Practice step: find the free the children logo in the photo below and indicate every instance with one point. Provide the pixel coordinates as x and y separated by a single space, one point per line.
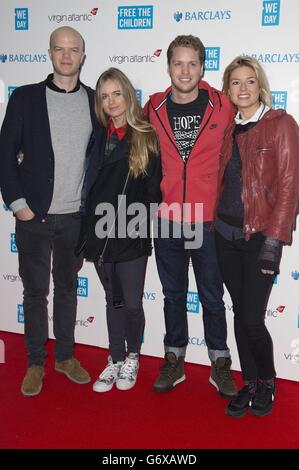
135 17
271 13
82 286
20 313
212 59
279 99
21 19
138 92
13 245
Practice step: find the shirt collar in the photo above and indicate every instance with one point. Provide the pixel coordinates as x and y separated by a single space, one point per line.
52 86
263 109
120 131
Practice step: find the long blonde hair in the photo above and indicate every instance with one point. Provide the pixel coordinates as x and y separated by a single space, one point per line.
241 61
141 135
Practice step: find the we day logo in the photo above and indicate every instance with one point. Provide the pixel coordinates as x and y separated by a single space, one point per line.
271 13
21 19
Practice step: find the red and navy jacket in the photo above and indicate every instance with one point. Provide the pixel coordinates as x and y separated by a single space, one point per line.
194 181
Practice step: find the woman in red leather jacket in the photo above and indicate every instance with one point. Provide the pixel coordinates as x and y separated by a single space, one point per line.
256 210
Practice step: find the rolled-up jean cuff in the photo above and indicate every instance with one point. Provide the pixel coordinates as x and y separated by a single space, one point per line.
214 354
179 352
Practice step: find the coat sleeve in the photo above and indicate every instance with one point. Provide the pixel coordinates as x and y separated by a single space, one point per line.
286 143
10 145
152 191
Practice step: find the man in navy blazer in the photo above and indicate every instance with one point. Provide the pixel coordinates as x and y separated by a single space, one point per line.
44 139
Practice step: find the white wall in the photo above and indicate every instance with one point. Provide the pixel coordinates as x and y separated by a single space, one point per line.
233 26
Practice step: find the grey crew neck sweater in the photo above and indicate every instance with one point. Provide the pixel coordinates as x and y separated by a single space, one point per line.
71 127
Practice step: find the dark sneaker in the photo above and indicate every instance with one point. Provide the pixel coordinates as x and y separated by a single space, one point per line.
262 402
33 381
73 370
239 405
222 379
172 373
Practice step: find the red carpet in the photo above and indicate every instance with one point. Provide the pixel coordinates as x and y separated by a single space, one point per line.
66 415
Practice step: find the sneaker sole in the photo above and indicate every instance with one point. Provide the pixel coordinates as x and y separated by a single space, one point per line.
102 391
72 379
119 386
33 394
266 412
236 414
163 390
228 397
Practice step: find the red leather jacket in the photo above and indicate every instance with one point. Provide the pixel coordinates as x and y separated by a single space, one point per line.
270 174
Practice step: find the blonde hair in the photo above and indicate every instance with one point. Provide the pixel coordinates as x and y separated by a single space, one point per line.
247 61
190 41
141 135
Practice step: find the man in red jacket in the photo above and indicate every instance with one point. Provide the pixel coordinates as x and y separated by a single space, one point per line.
190 118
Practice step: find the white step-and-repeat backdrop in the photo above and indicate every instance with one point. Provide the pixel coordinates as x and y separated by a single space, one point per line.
134 36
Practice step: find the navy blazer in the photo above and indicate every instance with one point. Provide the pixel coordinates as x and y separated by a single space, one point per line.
26 129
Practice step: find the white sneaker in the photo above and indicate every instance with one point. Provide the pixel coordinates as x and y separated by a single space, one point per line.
128 373
108 377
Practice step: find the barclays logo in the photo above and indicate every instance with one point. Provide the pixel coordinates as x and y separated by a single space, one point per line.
212 58
271 13
202 15
279 99
193 304
196 341
21 19
82 286
178 16
276 57
295 275
23 58
149 295
135 17
20 313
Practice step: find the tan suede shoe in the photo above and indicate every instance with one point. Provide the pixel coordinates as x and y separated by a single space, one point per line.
72 369
33 381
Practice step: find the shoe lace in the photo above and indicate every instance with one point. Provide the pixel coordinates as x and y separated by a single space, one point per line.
224 373
128 369
109 372
168 369
264 390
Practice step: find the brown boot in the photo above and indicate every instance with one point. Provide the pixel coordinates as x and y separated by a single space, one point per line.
72 369
33 381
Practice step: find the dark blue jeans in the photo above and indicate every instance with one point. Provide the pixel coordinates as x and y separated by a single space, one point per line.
173 263
40 245
125 324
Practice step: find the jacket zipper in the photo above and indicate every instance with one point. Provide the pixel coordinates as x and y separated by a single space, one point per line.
101 256
185 162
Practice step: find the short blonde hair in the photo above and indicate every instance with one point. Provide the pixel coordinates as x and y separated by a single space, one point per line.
247 61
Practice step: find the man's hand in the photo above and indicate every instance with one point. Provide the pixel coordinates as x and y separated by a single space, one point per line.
25 214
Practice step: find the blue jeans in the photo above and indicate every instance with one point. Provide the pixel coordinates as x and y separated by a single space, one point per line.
173 263
43 246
